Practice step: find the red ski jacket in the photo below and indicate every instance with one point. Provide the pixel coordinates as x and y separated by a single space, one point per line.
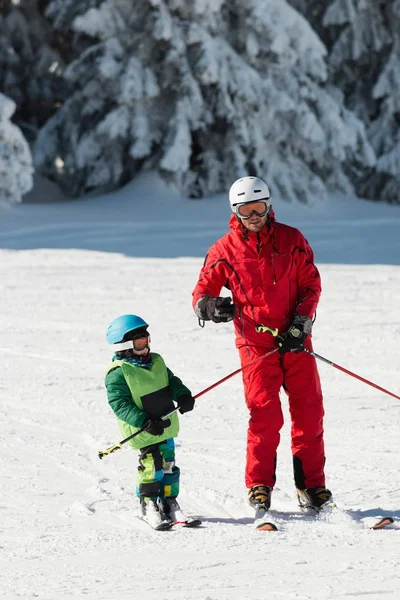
271 276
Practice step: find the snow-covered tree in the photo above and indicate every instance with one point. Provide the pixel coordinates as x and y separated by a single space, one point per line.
15 157
30 64
205 91
384 131
363 39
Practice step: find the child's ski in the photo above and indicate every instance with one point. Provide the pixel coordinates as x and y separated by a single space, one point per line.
163 526
190 522
167 525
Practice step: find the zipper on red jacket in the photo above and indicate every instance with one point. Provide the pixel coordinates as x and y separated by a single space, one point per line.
274 253
273 267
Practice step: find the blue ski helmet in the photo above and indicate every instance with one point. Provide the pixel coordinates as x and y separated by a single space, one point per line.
121 325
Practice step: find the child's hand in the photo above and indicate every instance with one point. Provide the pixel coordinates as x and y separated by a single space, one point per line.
156 426
185 403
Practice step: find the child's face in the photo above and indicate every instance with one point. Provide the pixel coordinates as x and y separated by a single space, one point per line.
141 345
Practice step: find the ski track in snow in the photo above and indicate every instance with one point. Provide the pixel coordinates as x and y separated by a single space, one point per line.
69 523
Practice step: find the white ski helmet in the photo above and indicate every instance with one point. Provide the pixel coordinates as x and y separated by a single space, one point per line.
248 189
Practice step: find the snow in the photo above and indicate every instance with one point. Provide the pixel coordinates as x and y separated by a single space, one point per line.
69 522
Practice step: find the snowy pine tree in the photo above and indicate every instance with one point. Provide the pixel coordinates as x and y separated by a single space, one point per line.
206 91
15 157
363 39
384 131
30 65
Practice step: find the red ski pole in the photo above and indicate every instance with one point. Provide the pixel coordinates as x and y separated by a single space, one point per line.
211 387
264 329
332 364
102 453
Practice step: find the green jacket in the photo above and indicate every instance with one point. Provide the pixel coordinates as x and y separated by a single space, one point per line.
135 393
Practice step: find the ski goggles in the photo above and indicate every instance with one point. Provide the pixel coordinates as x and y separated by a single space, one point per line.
138 344
259 207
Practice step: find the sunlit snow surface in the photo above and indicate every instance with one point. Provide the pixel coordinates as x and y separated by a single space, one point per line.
69 525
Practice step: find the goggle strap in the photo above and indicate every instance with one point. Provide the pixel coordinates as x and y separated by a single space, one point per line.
266 199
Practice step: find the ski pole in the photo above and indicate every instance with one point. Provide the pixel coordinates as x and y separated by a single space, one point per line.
118 446
102 453
332 364
274 332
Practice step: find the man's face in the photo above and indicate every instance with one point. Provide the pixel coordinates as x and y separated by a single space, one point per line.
255 223
253 215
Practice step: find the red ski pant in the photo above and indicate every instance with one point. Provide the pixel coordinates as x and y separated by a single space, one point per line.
298 375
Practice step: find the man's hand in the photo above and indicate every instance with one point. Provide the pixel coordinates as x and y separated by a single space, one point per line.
293 339
217 309
156 426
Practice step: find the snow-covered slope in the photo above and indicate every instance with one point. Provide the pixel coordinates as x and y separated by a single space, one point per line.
69 522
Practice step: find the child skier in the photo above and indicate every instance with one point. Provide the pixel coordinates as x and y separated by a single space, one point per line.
140 391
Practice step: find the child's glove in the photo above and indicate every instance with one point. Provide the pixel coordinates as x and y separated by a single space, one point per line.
185 403
156 426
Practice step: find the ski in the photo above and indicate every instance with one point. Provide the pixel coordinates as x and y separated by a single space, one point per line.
190 522
167 525
261 522
382 523
325 513
330 507
265 526
163 526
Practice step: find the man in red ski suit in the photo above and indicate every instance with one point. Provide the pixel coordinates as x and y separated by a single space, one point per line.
269 270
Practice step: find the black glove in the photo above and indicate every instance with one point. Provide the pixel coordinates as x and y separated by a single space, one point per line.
293 339
217 309
155 426
185 403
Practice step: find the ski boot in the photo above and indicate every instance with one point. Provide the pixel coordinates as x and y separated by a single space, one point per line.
152 515
315 498
171 510
260 499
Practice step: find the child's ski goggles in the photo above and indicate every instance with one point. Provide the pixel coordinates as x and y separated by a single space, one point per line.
138 344
246 209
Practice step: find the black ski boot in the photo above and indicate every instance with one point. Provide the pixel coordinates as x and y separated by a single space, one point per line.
314 498
260 497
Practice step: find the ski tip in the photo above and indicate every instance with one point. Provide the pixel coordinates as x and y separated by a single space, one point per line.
188 523
266 527
194 523
383 523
